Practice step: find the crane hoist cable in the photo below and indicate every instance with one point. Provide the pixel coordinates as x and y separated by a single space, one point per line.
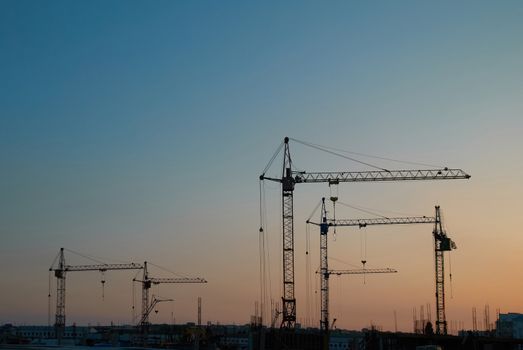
133 292
103 284
268 246
334 215
266 235
49 300
264 253
307 274
450 276
261 255
334 195
317 303
444 227
133 301
363 250
261 195
261 252
340 283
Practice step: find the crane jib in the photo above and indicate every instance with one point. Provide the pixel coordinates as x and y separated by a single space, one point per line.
103 267
393 175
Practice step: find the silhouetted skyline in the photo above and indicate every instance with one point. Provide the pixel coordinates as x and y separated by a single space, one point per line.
137 131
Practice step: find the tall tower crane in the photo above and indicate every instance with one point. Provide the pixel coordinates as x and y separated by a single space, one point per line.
147 282
60 272
290 178
442 243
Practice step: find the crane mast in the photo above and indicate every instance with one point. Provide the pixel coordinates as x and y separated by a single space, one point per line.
289 299
324 270
441 244
60 297
60 273
288 181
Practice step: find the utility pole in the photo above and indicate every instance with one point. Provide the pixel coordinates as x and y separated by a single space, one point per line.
199 311
290 178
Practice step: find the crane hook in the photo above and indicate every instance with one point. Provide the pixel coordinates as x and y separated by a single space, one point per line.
103 285
363 262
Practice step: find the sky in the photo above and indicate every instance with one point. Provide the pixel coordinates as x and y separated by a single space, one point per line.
133 131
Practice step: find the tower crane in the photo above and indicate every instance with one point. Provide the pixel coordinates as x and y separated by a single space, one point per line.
442 243
291 177
325 276
150 308
60 272
147 282
325 273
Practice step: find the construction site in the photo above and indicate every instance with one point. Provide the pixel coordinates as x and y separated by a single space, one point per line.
274 325
261 175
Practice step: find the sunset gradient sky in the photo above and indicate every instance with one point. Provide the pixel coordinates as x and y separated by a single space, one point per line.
137 131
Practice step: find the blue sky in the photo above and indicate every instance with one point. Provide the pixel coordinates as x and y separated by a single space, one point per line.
137 130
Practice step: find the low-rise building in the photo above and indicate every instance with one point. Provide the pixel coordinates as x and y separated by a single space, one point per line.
510 325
